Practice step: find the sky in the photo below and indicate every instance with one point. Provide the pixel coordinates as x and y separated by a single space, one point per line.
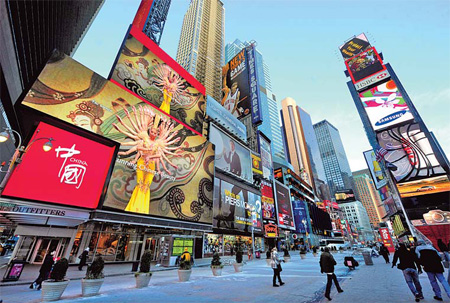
299 40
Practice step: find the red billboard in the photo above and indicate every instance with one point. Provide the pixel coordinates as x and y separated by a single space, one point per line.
364 65
268 203
73 172
387 240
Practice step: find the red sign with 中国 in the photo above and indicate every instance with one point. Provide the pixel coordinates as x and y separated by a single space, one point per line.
387 240
73 172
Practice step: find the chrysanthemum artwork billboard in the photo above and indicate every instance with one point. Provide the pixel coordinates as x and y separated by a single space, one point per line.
144 69
162 169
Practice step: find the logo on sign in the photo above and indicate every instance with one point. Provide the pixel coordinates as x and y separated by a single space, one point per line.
390 118
74 172
371 80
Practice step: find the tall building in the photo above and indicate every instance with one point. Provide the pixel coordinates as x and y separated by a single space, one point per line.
369 196
356 214
200 50
295 139
334 159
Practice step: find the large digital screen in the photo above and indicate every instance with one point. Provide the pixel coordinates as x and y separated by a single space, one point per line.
385 106
231 156
379 179
411 153
148 72
284 206
364 65
268 202
236 208
266 156
436 204
345 195
300 216
354 46
424 186
72 173
163 168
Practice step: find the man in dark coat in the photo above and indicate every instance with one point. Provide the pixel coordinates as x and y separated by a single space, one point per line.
327 264
385 253
44 271
409 265
431 261
83 258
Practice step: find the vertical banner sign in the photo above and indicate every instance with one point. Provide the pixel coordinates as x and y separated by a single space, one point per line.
378 177
387 240
254 87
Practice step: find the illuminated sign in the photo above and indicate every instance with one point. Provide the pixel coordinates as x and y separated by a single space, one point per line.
256 164
372 80
265 151
254 87
379 179
270 230
364 65
424 187
386 238
284 206
354 46
268 201
345 195
399 225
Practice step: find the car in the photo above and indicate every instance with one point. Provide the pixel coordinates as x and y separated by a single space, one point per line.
9 244
426 188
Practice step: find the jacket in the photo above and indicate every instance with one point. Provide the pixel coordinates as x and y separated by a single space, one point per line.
275 260
408 259
431 261
327 262
47 264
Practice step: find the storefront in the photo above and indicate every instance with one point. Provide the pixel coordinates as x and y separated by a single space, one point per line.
226 245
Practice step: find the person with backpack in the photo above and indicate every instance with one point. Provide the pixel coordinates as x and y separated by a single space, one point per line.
327 264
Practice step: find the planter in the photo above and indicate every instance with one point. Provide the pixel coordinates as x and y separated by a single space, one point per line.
216 270
287 259
142 279
52 291
303 256
315 254
184 275
238 267
268 262
91 287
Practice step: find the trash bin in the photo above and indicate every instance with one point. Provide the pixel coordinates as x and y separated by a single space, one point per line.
367 258
135 266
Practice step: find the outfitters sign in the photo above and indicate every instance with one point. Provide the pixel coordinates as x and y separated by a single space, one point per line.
72 173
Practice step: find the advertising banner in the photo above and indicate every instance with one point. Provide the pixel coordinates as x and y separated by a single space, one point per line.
284 206
345 195
265 151
256 164
424 186
254 86
385 106
379 180
399 225
387 240
437 216
144 69
411 153
72 173
436 204
179 245
300 216
354 46
163 169
218 113
268 203
364 65
378 77
270 230
231 156
236 208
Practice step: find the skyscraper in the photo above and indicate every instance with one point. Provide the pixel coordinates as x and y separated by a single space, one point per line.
356 214
369 196
334 159
200 50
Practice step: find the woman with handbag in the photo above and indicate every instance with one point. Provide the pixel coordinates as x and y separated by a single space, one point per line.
276 266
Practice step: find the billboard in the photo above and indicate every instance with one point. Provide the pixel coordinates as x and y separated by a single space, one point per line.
399 224
345 195
219 114
284 206
268 203
254 86
417 206
354 46
265 151
385 105
364 65
148 72
378 77
270 230
411 153
256 164
424 186
437 216
231 157
387 240
300 216
379 179
236 208
163 169
72 173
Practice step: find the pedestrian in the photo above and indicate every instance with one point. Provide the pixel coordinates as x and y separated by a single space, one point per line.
231 250
44 271
83 258
409 265
276 266
445 250
327 264
385 253
250 254
431 261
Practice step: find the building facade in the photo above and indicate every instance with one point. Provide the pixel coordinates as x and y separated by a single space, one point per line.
356 214
200 50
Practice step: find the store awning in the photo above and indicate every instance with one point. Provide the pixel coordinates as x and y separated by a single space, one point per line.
13 212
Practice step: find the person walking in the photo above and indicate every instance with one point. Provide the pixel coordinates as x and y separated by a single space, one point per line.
409 265
385 253
327 264
431 261
44 271
276 266
445 250
83 258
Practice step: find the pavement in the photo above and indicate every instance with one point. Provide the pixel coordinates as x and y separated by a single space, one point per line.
304 283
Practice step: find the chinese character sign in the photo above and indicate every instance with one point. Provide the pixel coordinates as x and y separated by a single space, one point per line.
387 240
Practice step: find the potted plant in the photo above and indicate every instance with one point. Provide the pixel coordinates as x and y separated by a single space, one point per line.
287 256
268 257
185 270
144 275
53 288
238 265
216 265
90 285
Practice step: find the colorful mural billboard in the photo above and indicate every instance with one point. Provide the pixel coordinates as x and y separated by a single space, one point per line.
268 202
364 65
284 206
379 179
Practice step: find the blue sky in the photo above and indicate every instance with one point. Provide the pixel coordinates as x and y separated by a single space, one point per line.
299 40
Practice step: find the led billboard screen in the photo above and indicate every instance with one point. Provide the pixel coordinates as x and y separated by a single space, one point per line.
163 168
411 153
300 216
354 46
417 206
345 195
236 208
268 203
284 206
72 173
379 179
256 164
231 156
385 106
144 69
266 156
364 65
424 186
